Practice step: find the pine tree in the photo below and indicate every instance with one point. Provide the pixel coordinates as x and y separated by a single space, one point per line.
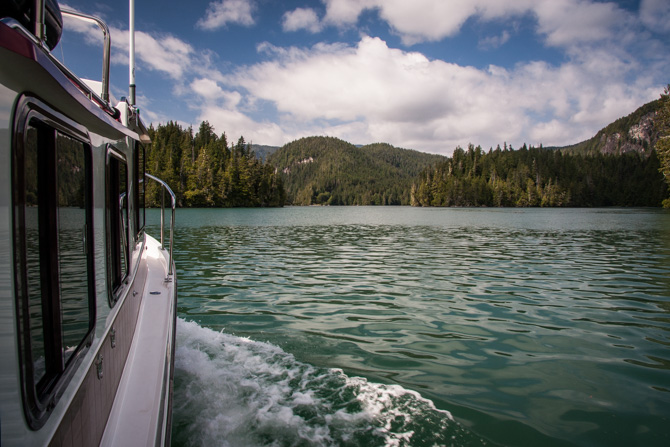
204 172
663 144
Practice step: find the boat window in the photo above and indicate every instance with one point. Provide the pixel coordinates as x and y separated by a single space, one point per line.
139 199
53 243
117 221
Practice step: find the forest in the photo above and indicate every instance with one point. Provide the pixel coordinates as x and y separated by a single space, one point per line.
627 163
203 170
541 177
330 171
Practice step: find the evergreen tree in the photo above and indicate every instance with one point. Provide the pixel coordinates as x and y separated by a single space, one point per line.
663 144
204 172
540 177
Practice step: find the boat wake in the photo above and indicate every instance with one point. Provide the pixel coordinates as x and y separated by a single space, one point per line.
232 391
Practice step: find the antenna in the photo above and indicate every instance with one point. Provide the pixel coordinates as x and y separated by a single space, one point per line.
131 61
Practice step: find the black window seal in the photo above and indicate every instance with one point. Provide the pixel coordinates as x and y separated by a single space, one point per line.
116 285
38 408
140 205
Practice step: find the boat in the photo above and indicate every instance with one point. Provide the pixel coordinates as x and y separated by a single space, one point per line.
87 297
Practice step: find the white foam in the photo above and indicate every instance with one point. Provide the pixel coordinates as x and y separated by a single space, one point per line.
233 391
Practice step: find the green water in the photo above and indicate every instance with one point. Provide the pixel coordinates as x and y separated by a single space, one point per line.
531 327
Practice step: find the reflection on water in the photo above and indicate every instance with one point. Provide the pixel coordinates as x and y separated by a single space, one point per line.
531 326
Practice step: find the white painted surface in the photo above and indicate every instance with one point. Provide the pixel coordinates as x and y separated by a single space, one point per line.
135 417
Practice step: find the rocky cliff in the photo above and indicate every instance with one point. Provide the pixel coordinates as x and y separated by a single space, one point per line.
632 133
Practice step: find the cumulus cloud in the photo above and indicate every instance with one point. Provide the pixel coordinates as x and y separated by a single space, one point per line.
577 21
164 53
160 52
228 111
655 14
211 93
301 18
368 91
371 92
493 42
220 13
563 23
236 123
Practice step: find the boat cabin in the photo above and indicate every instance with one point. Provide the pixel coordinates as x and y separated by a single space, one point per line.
87 297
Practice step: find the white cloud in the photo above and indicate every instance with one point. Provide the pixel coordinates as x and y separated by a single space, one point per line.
655 14
210 92
165 52
562 22
228 112
220 13
301 18
569 22
346 12
207 88
235 123
371 92
493 42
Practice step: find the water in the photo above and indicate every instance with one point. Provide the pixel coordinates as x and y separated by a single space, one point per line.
401 326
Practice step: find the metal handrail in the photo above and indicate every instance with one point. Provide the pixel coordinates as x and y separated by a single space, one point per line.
174 205
106 49
81 85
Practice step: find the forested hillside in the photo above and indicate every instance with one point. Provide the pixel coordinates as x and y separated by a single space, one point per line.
329 171
662 126
633 133
617 167
541 177
204 171
263 151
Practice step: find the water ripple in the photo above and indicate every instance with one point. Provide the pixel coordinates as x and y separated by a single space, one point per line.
523 323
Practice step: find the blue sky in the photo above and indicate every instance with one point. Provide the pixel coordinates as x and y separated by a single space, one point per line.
421 74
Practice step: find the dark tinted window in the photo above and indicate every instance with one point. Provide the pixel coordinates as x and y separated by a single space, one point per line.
117 220
53 249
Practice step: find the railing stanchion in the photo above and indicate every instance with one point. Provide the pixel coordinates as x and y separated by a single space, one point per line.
162 217
171 236
165 187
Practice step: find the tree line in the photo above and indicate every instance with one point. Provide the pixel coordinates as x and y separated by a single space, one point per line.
533 176
203 170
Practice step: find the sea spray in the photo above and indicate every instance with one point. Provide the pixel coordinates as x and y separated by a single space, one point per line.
232 391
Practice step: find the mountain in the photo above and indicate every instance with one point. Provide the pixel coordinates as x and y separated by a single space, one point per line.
632 133
617 167
262 151
330 171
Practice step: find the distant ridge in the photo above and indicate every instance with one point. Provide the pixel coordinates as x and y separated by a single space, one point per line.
263 151
617 167
330 171
632 133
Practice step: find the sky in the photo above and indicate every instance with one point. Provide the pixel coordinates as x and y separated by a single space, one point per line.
428 75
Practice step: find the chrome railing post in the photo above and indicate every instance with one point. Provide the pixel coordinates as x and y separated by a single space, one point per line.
39 21
106 48
171 235
164 188
162 217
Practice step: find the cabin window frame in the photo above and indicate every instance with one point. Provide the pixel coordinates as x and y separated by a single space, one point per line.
41 321
117 221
